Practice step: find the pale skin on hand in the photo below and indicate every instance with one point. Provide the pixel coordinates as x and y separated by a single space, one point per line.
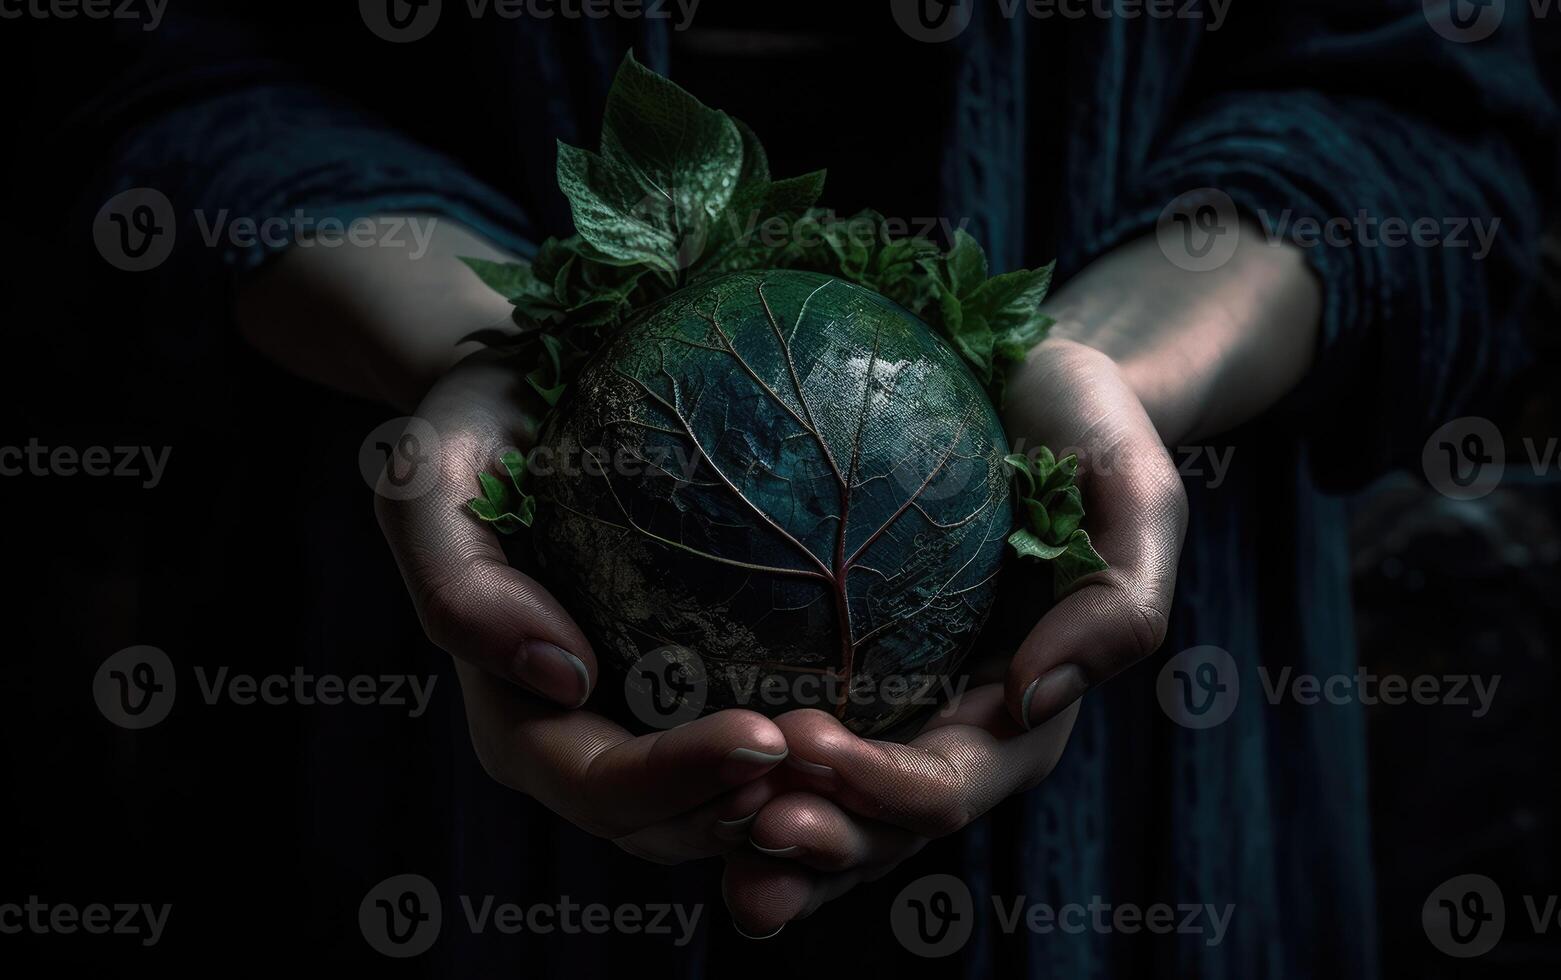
383 324
1143 355
1126 370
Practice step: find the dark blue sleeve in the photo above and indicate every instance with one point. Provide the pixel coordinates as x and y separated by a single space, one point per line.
203 113
1363 111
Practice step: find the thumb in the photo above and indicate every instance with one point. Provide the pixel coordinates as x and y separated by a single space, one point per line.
471 603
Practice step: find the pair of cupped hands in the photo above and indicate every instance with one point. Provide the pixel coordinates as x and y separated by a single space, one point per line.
800 809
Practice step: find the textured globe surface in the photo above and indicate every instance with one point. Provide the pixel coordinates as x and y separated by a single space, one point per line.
775 490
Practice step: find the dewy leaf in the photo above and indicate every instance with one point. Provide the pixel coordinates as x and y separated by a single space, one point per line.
614 213
685 159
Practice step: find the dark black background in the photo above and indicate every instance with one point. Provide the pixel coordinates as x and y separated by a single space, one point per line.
255 821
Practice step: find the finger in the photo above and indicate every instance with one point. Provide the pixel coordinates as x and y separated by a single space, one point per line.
1138 516
980 707
470 601
713 829
598 776
809 829
936 784
764 894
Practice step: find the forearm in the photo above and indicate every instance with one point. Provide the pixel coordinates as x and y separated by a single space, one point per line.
381 321
1203 351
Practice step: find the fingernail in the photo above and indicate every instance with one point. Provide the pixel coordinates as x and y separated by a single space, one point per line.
734 829
552 672
778 852
739 930
742 765
1053 691
812 769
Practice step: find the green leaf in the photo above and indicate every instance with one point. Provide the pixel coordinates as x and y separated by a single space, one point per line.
793 195
548 377
1011 298
515 465
1015 342
679 192
1029 545
507 509
483 509
509 279
668 162
1077 560
1050 527
975 341
673 143
966 263
494 490
1040 519
614 213
1065 511
1063 474
754 176
1022 468
1043 466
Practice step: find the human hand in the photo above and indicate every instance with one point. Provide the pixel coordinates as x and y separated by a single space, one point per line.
853 809
667 797
1144 354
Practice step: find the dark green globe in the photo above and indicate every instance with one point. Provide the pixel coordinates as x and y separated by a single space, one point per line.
775 490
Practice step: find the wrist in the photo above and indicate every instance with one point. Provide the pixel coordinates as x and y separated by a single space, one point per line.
1202 351
377 321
